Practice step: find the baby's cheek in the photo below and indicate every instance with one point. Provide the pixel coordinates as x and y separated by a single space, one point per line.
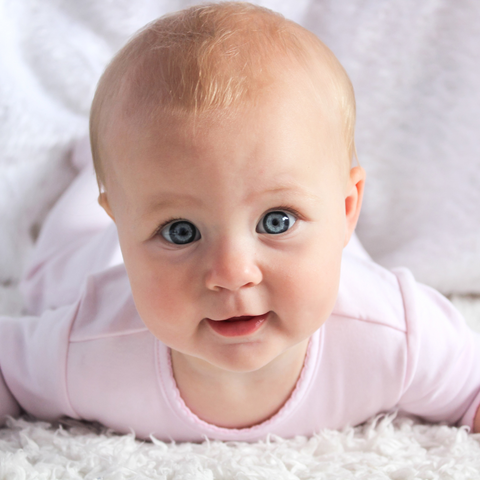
308 291
163 298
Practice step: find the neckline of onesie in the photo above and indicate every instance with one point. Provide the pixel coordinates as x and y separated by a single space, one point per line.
178 405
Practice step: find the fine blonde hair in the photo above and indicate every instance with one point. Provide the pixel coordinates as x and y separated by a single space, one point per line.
208 58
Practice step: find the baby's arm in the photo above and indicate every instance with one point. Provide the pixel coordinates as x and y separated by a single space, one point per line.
8 404
33 356
42 358
442 380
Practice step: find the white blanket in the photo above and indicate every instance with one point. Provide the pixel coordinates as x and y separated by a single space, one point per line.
416 70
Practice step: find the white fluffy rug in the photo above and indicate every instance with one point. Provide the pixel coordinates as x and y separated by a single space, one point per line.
384 448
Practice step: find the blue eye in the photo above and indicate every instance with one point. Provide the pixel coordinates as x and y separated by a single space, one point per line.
276 222
180 232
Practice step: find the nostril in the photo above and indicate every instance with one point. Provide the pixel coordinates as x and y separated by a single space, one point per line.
232 267
219 282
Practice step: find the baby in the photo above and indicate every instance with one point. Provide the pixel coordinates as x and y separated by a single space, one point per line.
222 138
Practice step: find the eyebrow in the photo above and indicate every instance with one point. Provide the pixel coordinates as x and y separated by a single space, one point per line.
182 199
292 189
171 199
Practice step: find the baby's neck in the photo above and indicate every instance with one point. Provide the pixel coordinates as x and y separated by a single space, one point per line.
239 400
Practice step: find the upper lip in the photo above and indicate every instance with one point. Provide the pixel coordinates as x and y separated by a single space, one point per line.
237 316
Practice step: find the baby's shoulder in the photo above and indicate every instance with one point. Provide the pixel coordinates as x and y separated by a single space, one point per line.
106 308
370 293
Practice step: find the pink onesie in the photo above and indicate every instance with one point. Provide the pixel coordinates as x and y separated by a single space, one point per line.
84 352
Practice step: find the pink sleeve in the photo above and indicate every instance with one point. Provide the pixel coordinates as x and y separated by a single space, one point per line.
442 381
8 404
33 354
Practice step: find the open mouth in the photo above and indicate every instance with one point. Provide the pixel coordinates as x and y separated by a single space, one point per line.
238 326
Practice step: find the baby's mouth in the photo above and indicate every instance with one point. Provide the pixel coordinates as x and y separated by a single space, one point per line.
235 319
238 326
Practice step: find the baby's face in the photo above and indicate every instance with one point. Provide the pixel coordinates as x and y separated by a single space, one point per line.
234 217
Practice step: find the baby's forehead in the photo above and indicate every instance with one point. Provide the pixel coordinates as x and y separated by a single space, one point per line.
181 141
293 87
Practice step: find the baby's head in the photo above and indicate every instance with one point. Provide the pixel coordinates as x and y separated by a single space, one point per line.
222 139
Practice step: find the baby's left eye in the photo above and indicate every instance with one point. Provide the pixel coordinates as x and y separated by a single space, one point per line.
275 222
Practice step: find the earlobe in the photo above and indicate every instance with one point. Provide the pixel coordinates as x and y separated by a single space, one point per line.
353 200
103 202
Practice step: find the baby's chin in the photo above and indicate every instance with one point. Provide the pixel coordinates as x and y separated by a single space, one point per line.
256 355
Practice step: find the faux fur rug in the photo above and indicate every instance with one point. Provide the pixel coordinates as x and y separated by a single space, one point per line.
384 448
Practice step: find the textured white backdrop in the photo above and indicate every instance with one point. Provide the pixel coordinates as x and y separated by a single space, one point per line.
416 70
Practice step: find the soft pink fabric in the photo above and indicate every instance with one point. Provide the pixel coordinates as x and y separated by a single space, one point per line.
390 343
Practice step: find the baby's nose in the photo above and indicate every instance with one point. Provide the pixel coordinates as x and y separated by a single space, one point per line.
232 266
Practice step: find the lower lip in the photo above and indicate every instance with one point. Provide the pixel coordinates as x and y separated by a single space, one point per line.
238 326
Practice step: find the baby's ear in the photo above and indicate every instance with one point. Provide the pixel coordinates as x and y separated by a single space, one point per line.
353 199
103 201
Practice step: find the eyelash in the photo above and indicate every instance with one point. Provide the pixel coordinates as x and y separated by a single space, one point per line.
288 209
160 228
285 208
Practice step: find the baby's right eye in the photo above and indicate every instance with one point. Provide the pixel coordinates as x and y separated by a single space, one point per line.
180 232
